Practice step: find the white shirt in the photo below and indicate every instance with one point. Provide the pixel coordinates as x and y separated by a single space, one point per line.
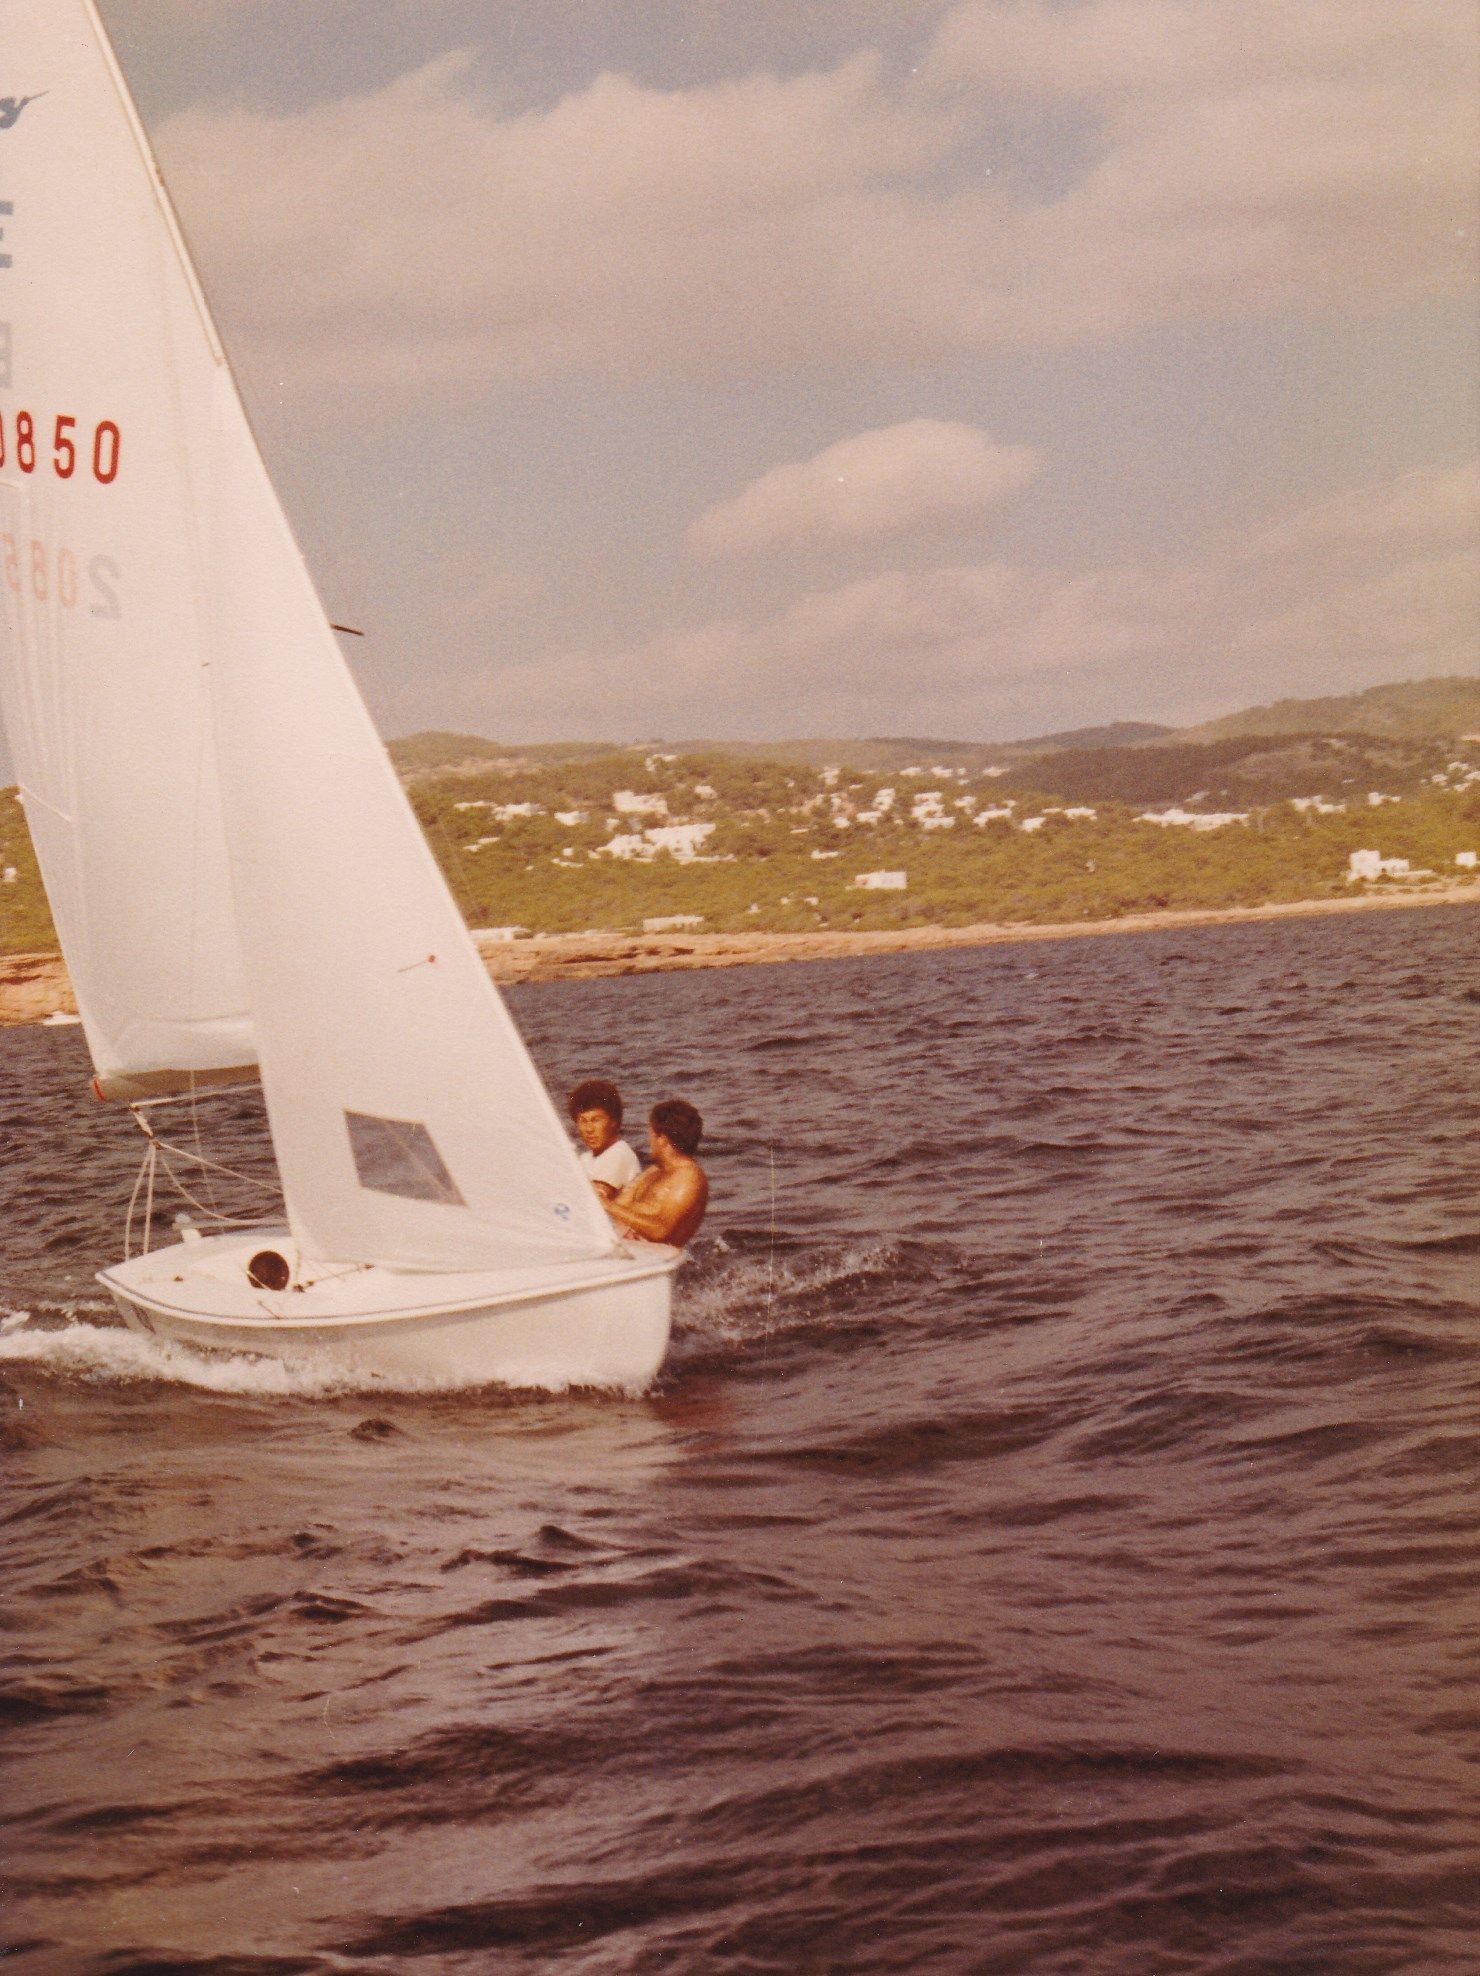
618 1166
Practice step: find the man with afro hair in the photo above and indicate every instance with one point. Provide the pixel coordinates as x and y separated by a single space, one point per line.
595 1107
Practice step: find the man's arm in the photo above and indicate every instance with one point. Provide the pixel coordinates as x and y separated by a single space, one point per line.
661 1207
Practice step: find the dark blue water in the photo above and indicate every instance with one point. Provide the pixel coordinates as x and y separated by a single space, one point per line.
1055 1550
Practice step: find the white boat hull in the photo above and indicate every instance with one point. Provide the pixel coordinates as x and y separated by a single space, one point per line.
603 1323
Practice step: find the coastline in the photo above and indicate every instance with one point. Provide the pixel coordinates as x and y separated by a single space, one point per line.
35 986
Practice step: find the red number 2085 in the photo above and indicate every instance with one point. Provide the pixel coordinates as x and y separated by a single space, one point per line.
26 446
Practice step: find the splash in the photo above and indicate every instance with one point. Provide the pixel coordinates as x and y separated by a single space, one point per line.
733 1301
111 1352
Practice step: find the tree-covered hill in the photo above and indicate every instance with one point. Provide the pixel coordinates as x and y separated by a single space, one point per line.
560 839
436 753
1236 771
1413 710
730 843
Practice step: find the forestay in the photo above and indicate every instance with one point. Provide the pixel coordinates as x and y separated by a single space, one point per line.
409 1124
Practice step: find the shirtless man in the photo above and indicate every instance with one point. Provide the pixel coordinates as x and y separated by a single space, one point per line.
610 1163
666 1202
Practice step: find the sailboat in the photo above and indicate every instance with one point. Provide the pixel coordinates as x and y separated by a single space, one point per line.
240 888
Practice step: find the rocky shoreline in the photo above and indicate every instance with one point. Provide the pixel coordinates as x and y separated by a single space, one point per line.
35 986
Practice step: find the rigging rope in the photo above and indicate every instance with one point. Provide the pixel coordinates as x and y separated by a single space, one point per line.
211 1214
157 1156
133 1202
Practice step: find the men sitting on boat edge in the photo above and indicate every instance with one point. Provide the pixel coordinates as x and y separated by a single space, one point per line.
666 1202
595 1106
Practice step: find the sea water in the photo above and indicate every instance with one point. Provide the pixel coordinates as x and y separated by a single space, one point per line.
1050 1546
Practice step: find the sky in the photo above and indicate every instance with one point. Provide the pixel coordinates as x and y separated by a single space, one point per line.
734 368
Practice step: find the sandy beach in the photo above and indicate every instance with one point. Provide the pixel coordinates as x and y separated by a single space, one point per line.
35 986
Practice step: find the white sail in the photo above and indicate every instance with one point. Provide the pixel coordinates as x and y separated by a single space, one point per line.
107 370
409 1123
250 830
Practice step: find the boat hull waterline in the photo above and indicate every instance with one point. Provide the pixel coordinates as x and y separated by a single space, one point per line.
601 1324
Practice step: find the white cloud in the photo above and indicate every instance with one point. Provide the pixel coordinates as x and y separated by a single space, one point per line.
1136 49
415 233
1387 577
1232 156
1244 155
877 483
1331 597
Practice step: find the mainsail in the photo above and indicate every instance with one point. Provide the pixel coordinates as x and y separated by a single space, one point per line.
220 829
107 371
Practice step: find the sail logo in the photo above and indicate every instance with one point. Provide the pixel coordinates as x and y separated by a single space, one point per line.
11 107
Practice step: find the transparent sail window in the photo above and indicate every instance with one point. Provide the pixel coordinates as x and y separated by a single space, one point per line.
397 1156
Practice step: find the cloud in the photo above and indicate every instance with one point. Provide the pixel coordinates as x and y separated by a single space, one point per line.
1384 577
414 233
1134 50
1382 583
1239 156
1204 160
877 483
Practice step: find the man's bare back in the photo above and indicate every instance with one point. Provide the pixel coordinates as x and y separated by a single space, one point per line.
666 1202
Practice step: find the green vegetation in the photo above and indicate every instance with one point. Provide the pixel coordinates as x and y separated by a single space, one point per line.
775 860
1236 772
566 838
25 917
1415 710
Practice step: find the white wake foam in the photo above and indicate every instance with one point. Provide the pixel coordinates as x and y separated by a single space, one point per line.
112 1352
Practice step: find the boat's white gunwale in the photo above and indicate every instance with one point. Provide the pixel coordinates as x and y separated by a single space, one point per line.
403 1314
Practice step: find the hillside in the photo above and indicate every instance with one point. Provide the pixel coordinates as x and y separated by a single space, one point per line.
1412 711
1415 710
726 843
877 835
1237 771
436 753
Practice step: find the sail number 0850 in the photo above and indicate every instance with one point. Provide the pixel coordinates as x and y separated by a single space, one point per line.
26 445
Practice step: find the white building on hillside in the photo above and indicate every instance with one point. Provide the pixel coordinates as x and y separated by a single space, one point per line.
504 812
1194 819
680 840
929 811
882 804
630 802
1364 866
